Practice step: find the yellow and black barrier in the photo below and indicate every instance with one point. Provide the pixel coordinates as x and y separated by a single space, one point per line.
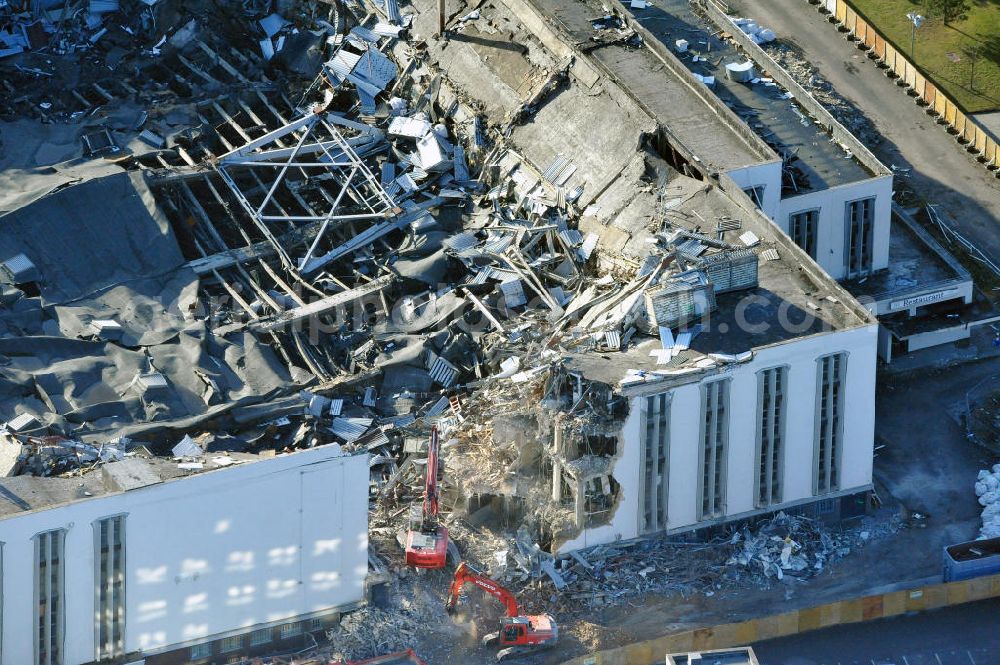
842 612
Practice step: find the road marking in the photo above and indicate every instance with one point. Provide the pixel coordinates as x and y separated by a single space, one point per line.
937 657
971 659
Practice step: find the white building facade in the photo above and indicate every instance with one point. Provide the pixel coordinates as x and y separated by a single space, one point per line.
844 228
793 425
190 569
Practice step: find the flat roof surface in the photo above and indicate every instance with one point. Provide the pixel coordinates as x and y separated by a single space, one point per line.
669 99
913 265
763 106
26 493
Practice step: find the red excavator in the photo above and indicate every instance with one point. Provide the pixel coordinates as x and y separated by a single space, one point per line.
518 634
427 539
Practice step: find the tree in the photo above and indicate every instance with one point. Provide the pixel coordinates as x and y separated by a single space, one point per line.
973 52
947 10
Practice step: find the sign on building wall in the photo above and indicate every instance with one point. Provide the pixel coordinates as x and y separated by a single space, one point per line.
923 299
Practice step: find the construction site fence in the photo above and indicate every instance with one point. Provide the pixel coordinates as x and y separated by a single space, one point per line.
975 139
855 610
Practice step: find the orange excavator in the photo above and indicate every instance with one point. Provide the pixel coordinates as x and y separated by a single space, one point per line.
519 634
427 539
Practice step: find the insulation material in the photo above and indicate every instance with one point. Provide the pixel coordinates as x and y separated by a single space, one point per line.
988 490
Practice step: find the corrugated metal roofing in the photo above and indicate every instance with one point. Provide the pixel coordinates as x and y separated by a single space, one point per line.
461 167
368 104
375 69
691 247
365 34
482 275
555 167
386 29
513 293
393 189
437 408
460 242
409 127
342 64
103 6
392 11
571 237
444 372
499 244
399 421
151 381
20 269
564 175
21 422
350 429
372 439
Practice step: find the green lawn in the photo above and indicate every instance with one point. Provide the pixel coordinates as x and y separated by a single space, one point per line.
939 48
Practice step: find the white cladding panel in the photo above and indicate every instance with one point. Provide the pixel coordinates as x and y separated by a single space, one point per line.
209 554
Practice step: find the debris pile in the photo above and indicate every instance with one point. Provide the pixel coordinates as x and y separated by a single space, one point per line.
758 34
370 631
783 548
988 491
839 106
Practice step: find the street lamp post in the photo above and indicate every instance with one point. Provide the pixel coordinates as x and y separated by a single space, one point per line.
917 20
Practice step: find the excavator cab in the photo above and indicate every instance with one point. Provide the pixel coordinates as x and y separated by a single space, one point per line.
513 631
527 631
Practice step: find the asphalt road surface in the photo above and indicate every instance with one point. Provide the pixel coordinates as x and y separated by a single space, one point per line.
961 635
942 171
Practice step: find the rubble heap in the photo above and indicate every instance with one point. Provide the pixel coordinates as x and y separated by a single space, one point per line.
988 491
806 75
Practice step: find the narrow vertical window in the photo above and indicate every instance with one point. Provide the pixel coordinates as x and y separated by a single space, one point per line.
715 436
802 229
829 423
109 578
655 450
858 250
50 617
756 194
770 434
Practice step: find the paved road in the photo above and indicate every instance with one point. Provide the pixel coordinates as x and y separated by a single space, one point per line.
961 635
943 172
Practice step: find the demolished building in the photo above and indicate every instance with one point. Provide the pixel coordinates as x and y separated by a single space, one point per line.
490 232
818 181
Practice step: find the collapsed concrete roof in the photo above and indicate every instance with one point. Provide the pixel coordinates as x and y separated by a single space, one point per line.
403 239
